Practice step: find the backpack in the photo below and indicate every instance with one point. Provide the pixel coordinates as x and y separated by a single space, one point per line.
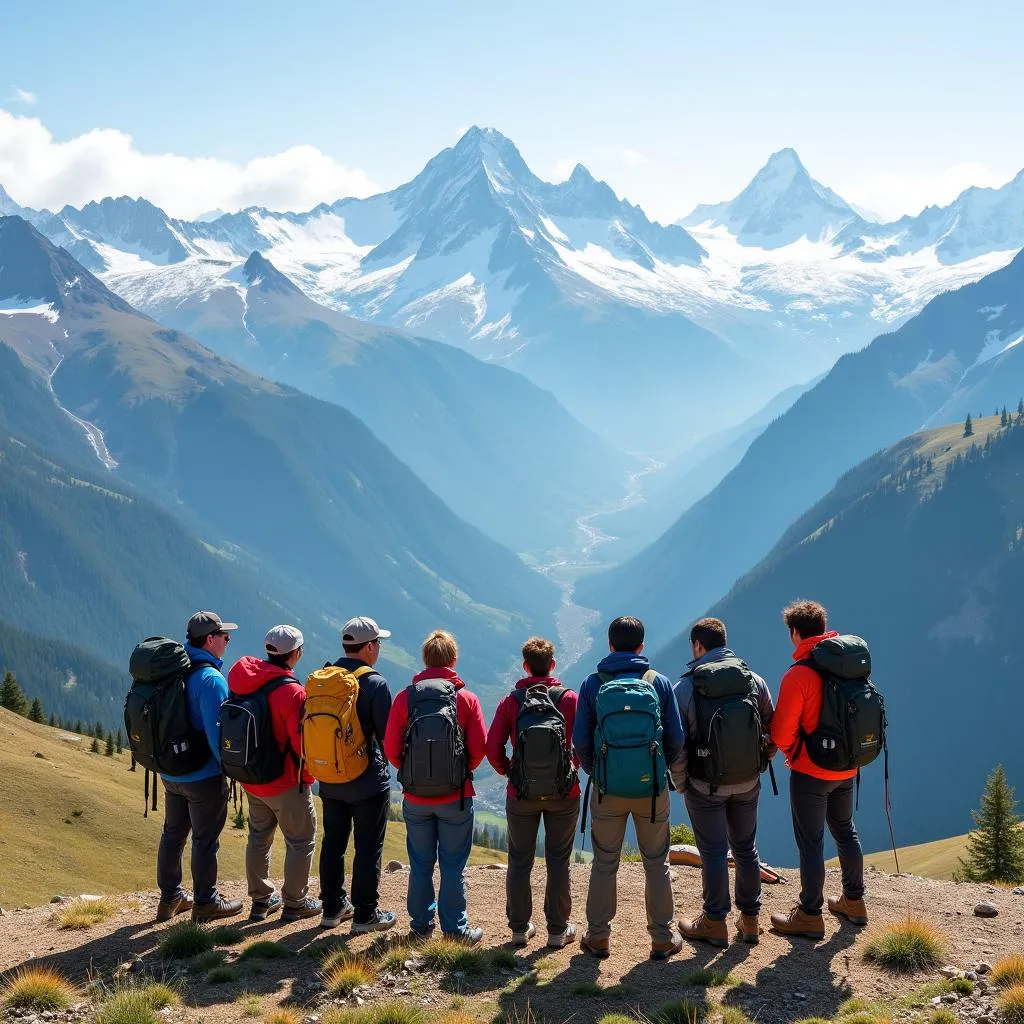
727 749
628 757
434 761
160 732
541 763
334 747
249 751
851 729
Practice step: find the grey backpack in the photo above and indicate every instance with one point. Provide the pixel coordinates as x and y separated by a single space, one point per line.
434 761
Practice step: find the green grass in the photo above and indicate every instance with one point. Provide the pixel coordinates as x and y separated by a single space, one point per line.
856 1004
593 989
342 975
222 975
906 946
943 1015
505 958
160 994
127 1006
680 1011
1008 971
208 960
265 949
184 940
444 954
227 935
708 977
733 1015
37 988
81 914
249 1004
962 986
392 1012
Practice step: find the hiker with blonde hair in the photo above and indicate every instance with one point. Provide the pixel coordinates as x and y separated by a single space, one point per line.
436 737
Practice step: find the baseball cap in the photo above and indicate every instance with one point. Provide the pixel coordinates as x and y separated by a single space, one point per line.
202 624
361 630
283 640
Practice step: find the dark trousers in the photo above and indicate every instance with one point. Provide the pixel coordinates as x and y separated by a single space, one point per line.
816 802
369 819
720 823
523 818
202 809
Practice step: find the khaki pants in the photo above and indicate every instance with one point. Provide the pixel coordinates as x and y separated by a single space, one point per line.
608 819
296 815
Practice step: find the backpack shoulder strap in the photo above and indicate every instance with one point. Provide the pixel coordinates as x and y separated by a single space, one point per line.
605 677
649 676
275 684
519 696
363 670
557 693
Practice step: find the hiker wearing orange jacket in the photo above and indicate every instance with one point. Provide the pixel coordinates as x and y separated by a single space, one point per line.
817 795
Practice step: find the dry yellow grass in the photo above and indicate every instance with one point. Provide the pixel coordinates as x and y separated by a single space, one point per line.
909 945
37 988
1011 1003
939 859
343 974
1009 971
81 914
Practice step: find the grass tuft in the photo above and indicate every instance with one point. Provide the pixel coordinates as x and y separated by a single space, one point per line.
127 1006
184 940
865 1017
208 960
392 1012
281 1015
734 1015
708 977
37 988
943 1015
1009 971
161 995
1011 1002
227 935
681 1011
455 1017
906 946
222 975
81 914
595 990
344 973
814 1020
962 986
616 1018
444 954
265 949
505 958
249 1004
855 1004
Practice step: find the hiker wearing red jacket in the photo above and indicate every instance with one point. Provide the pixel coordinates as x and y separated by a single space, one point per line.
281 802
436 737
817 795
542 784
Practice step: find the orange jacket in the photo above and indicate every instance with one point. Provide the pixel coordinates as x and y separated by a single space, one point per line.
798 710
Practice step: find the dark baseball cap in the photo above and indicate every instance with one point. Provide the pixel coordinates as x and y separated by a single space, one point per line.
203 624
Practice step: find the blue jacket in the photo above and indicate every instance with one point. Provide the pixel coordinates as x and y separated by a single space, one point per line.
207 690
625 663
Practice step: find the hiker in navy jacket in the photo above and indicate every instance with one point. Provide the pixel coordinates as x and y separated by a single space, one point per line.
609 815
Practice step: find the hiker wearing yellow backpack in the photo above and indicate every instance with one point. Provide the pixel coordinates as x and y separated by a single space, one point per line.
347 709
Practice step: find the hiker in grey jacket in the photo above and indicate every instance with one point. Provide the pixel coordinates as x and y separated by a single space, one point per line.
723 816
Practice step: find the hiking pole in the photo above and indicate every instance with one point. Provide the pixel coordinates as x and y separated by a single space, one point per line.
888 810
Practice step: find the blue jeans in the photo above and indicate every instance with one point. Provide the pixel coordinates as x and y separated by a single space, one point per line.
438 834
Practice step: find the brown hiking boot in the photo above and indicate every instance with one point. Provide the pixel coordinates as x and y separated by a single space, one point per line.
703 929
663 950
215 911
748 929
166 909
799 923
853 910
595 947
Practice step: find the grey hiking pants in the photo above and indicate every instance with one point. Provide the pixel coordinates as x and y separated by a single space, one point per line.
523 818
608 819
202 809
816 802
720 823
295 814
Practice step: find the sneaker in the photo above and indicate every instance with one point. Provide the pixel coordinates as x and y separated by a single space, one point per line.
333 920
309 907
853 910
382 921
799 923
262 909
216 909
523 938
663 950
595 947
748 929
703 929
416 935
468 936
180 904
559 940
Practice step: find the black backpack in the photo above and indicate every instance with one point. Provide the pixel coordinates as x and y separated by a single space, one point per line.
728 748
249 751
851 729
160 732
434 761
541 763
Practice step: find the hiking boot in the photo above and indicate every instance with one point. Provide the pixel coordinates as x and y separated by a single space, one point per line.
522 938
180 904
382 921
309 907
216 909
663 950
467 937
262 909
595 947
559 940
748 929
333 920
704 929
415 935
799 923
853 910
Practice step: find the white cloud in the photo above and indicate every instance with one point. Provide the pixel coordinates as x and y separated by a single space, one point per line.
39 171
24 96
562 169
631 158
893 195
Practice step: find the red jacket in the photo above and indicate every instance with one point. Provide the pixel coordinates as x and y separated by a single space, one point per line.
247 675
799 708
503 728
471 721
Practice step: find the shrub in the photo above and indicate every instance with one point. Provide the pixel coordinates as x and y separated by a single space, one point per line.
345 973
909 945
1011 1002
707 977
37 988
249 1004
222 975
1009 971
443 954
127 1006
82 914
227 935
184 940
265 949
681 834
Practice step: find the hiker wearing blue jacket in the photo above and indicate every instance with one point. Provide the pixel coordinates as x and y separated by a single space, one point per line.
198 802
627 735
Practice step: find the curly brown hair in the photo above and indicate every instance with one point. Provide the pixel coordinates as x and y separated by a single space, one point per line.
538 654
808 618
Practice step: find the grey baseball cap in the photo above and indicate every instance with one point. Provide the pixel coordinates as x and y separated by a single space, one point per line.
361 630
202 624
283 640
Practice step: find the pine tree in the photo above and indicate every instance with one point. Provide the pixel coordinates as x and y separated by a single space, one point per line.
995 849
94 747
35 713
1004 419
968 427
110 745
119 741
53 720
98 731
12 696
78 728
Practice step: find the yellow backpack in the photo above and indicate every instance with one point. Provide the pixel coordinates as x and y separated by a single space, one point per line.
334 748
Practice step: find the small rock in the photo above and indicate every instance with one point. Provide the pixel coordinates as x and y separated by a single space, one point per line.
987 1018
495 867
311 1019
360 1000
1 911
949 997
971 975
986 909
395 865
799 995
1019 891
89 898
936 1000
949 971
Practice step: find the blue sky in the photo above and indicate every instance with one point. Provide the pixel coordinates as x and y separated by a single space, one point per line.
892 104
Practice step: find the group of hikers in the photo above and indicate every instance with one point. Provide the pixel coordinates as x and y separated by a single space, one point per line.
635 734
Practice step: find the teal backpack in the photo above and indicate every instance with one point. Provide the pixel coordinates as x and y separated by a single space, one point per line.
629 760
